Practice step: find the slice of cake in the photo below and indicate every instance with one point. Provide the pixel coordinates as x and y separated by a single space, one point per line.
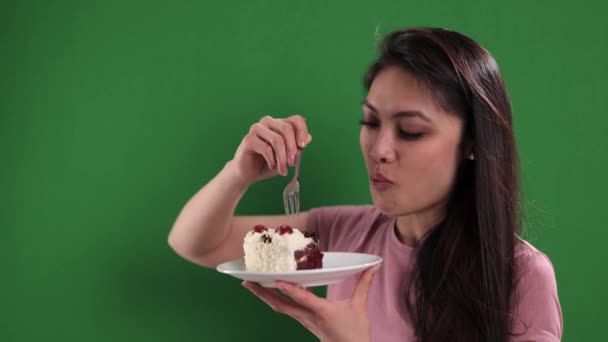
281 249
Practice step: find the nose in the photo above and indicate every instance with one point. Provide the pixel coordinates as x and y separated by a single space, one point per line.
383 148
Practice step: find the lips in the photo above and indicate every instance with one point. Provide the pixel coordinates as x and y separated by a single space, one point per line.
379 182
378 177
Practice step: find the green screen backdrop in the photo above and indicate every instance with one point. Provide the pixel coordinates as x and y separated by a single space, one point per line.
113 113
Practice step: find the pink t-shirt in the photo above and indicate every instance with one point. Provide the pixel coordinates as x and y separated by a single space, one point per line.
365 229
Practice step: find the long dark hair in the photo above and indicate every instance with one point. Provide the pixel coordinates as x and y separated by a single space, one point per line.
463 277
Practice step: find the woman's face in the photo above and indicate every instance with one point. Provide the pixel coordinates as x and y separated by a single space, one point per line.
411 146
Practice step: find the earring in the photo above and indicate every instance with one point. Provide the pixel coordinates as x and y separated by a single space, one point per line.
472 156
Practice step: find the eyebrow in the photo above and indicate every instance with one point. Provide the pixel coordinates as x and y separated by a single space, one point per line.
400 114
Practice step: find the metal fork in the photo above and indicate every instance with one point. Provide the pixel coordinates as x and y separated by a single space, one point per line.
291 193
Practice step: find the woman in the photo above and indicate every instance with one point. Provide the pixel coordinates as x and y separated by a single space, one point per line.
439 147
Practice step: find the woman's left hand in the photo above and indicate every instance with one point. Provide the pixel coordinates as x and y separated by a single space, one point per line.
343 321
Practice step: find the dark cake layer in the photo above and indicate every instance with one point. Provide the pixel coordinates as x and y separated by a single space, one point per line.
309 258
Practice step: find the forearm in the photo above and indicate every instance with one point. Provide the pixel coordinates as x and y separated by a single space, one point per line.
205 221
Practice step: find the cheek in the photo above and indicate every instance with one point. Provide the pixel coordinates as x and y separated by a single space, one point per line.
432 171
365 143
442 159
439 156
443 173
361 141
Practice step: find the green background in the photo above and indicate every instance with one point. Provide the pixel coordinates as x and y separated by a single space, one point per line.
113 113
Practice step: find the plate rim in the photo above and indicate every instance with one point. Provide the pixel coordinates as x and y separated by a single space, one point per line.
378 260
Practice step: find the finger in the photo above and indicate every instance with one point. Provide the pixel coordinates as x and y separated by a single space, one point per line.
277 302
301 296
262 148
278 146
301 129
287 131
362 289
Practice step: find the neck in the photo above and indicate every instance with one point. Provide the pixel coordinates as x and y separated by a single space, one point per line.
412 228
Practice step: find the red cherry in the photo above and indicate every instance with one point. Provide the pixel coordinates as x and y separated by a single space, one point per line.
260 228
284 229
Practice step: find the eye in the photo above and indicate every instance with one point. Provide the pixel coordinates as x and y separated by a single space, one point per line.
369 123
410 135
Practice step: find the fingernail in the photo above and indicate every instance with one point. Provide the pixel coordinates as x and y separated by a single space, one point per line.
292 160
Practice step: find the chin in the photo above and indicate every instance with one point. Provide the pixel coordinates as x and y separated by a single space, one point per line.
385 207
390 206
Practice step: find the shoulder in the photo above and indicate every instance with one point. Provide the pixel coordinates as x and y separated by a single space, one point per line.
532 263
353 213
538 314
344 227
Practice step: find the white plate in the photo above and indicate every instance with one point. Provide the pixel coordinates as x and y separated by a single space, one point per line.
336 267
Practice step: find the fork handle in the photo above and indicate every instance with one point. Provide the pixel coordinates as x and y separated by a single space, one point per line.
297 171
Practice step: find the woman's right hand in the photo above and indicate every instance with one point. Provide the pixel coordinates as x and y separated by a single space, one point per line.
270 148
